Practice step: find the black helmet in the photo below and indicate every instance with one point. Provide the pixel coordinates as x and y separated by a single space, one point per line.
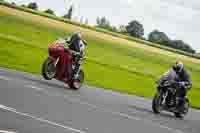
178 67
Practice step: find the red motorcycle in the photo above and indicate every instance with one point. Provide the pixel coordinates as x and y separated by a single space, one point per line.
60 65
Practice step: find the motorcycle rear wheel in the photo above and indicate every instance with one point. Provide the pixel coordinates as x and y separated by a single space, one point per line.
185 111
48 69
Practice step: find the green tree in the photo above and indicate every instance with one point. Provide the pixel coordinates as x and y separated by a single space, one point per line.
161 38
98 21
134 28
23 5
49 11
103 23
114 29
13 3
158 37
179 44
69 13
122 29
33 5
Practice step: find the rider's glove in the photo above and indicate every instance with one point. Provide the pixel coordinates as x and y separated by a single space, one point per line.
85 42
182 84
67 40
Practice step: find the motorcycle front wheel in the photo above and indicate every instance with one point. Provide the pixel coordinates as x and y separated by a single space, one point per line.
48 69
156 106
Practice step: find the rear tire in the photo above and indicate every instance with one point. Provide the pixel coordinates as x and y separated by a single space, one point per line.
48 69
155 104
185 110
77 83
186 106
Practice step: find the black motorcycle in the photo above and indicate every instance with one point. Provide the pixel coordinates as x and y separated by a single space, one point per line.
166 99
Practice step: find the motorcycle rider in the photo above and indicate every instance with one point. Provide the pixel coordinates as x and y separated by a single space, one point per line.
77 44
181 78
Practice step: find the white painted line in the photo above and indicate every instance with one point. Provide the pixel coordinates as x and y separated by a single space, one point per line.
124 115
4 78
39 119
4 131
76 100
35 87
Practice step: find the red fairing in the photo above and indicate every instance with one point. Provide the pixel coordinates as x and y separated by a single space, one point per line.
56 50
64 66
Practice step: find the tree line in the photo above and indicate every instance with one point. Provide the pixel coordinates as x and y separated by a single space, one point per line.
134 28
34 6
162 39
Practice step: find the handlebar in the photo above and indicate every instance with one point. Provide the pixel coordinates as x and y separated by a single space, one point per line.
65 41
74 53
60 40
168 83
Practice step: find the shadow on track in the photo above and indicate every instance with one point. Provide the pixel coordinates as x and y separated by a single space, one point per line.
149 111
56 84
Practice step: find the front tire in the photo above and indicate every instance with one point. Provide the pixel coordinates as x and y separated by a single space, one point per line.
77 83
156 104
48 69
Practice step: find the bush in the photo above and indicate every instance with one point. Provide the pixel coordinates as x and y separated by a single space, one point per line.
33 5
135 29
49 11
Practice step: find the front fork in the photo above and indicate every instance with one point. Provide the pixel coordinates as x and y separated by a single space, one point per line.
56 62
164 98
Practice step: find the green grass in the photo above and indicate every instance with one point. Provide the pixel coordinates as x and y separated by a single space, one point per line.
109 64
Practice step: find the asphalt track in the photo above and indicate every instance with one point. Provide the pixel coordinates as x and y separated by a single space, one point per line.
29 104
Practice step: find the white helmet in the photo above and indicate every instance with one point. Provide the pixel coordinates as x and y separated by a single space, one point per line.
178 67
